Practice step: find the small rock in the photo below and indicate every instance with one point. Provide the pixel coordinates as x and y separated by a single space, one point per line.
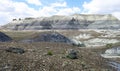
65 63
77 43
15 50
47 47
31 50
72 54
7 66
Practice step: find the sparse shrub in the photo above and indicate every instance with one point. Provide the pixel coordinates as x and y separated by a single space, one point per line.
79 45
20 19
14 19
29 18
49 53
109 45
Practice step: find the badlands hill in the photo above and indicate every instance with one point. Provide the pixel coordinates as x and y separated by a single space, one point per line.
76 21
4 37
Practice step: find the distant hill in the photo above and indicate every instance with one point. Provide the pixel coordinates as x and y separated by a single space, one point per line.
76 21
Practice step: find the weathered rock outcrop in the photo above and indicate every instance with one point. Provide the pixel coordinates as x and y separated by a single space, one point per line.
76 21
47 37
112 53
4 37
52 37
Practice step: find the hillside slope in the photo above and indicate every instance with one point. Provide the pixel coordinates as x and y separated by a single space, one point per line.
76 21
4 37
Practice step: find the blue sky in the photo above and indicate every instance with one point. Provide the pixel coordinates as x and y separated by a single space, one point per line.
10 9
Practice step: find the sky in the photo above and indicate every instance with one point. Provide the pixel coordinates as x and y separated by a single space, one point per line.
11 9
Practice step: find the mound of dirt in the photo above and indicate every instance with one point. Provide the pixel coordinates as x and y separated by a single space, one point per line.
4 37
48 37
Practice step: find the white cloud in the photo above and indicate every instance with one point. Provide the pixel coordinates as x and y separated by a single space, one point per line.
35 2
58 9
68 11
117 14
6 5
23 10
63 4
11 9
102 7
47 11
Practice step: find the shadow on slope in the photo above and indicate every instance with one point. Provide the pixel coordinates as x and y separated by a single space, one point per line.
4 37
47 37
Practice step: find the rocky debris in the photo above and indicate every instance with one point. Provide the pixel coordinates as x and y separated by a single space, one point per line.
31 50
36 61
72 54
77 21
112 53
4 37
48 37
5 67
15 50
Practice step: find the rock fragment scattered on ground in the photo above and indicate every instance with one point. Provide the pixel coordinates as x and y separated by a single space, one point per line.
15 50
72 54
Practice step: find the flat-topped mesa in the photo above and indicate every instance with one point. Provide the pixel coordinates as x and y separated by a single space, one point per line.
92 17
89 17
76 21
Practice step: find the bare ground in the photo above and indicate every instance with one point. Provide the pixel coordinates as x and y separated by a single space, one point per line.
36 59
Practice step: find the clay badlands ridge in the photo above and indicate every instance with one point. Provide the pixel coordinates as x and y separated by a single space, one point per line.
76 21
